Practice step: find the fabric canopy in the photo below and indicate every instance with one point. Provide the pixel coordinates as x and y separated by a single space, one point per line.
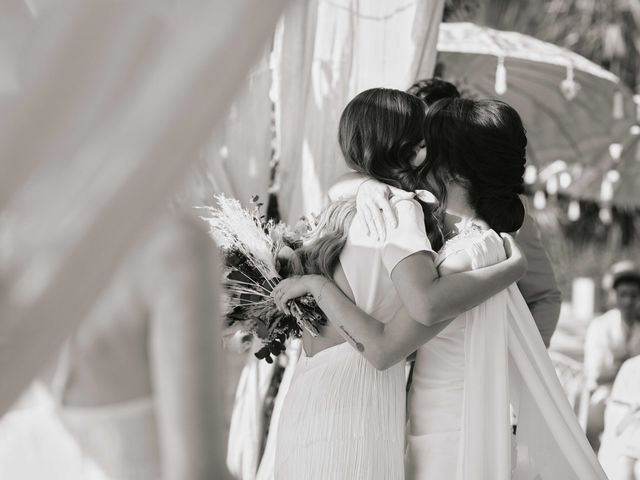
325 53
571 107
612 179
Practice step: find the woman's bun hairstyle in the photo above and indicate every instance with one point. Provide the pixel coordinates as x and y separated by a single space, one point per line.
481 143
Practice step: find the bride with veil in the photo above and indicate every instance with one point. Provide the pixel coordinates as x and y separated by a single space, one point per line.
489 364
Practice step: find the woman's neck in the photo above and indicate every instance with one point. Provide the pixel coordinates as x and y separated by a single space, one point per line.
459 212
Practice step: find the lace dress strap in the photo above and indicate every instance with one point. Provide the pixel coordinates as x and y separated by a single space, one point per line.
469 232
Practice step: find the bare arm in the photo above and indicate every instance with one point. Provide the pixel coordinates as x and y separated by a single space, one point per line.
538 286
371 200
600 366
185 355
431 303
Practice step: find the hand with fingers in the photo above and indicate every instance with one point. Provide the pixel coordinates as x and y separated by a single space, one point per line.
374 205
294 287
514 253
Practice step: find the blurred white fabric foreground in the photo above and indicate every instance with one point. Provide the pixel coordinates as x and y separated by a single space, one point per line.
34 444
110 96
137 389
103 106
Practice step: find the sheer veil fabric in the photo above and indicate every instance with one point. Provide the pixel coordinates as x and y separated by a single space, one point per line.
107 95
507 363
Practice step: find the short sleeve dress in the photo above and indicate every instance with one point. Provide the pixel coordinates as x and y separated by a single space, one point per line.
342 418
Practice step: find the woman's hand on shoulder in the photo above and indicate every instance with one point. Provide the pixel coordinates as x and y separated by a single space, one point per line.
514 254
374 205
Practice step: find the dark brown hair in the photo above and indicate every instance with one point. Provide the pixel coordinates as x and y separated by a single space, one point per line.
482 144
379 132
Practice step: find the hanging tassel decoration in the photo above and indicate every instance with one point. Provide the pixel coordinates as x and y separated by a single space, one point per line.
574 210
569 86
613 176
539 200
606 190
618 105
615 151
501 77
530 174
565 180
605 215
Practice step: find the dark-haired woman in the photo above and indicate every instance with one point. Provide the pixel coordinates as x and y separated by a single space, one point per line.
343 417
490 356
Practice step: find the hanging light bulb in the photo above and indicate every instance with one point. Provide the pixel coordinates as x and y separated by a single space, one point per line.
501 77
539 200
618 105
530 174
606 191
569 86
613 176
615 150
552 185
552 169
224 151
574 210
605 215
634 130
565 180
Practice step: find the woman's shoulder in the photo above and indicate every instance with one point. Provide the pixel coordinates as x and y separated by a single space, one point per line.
456 250
409 203
406 205
409 216
410 222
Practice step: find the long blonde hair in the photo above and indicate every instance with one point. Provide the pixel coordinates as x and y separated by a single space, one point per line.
321 251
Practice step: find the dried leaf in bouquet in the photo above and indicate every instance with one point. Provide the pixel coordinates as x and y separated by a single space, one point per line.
251 247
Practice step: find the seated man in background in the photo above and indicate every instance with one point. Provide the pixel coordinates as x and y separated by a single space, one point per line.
611 339
620 449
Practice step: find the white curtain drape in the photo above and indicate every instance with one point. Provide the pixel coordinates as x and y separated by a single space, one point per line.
325 52
109 103
237 159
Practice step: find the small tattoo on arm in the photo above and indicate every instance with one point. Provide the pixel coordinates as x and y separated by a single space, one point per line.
358 345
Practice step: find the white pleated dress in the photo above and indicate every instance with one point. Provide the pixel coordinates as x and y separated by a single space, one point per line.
342 419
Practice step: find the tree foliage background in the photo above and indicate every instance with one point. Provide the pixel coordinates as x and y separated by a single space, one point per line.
608 33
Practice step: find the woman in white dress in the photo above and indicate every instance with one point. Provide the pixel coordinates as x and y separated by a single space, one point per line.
344 418
138 383
490 356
